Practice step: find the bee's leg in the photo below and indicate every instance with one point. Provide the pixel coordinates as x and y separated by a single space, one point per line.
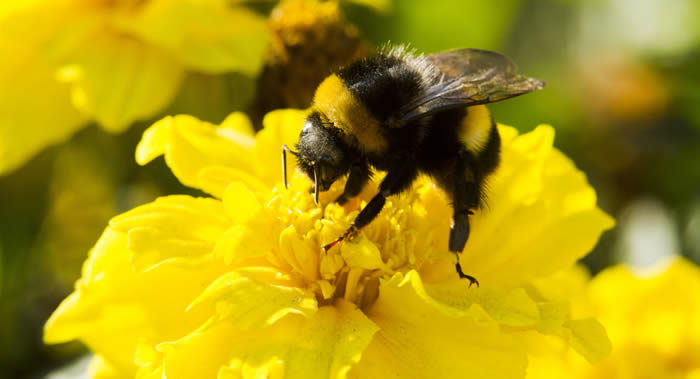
394 182
359 176
466 198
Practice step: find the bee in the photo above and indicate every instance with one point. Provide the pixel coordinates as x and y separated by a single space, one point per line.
406 115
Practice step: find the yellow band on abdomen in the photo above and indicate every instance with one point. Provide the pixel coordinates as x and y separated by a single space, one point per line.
475 128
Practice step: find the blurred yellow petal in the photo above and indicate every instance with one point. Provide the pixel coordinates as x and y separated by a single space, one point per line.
210 36
417 340
101 369
653 320
118 80
35 109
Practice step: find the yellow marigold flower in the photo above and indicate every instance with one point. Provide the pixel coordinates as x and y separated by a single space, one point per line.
239 286
115 61
653 322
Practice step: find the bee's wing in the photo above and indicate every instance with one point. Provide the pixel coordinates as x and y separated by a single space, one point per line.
468 77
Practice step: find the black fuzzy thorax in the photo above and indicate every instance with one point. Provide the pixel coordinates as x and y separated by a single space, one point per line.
383 83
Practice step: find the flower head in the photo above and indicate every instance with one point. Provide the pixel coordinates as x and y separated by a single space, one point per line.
115 62
239 286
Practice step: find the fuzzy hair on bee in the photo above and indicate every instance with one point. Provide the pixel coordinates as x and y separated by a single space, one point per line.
408 114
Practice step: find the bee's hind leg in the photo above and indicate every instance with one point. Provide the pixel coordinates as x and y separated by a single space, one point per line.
459 233
466 197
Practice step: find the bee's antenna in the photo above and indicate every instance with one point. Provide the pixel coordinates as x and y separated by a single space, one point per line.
316 185
285 149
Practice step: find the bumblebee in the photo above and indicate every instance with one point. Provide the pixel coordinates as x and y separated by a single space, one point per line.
407 114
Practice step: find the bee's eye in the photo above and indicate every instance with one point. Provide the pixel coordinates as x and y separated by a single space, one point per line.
307 127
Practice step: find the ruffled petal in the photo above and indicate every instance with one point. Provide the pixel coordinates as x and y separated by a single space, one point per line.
542 205
119 302
322 345
161 231
195 149
421 339
247 303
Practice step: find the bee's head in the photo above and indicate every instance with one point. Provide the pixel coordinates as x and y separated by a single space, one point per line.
322 154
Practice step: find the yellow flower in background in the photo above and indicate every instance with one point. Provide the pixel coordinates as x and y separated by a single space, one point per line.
238 285
66 62
653 320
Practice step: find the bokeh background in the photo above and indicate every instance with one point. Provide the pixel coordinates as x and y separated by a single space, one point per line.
623 94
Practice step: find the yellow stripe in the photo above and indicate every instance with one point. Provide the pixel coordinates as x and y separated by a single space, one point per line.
475 128
340 106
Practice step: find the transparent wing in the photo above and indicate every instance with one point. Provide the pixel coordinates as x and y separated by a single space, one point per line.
469 77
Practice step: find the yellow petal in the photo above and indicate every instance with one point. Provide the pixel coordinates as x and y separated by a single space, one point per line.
161 229
241 203
35 109
323 345
238 123
589 338
242 242
101 369
193 148
209 36
659 309
362 253
248 303
294 249
418 340
215 179
117 79
281 127
117 305
545 207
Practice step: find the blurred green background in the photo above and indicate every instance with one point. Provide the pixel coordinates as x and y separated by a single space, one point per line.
623 94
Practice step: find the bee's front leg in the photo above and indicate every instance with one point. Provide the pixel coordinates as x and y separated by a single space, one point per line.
394 182
358 178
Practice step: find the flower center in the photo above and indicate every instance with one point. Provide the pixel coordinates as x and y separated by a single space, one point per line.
397 240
